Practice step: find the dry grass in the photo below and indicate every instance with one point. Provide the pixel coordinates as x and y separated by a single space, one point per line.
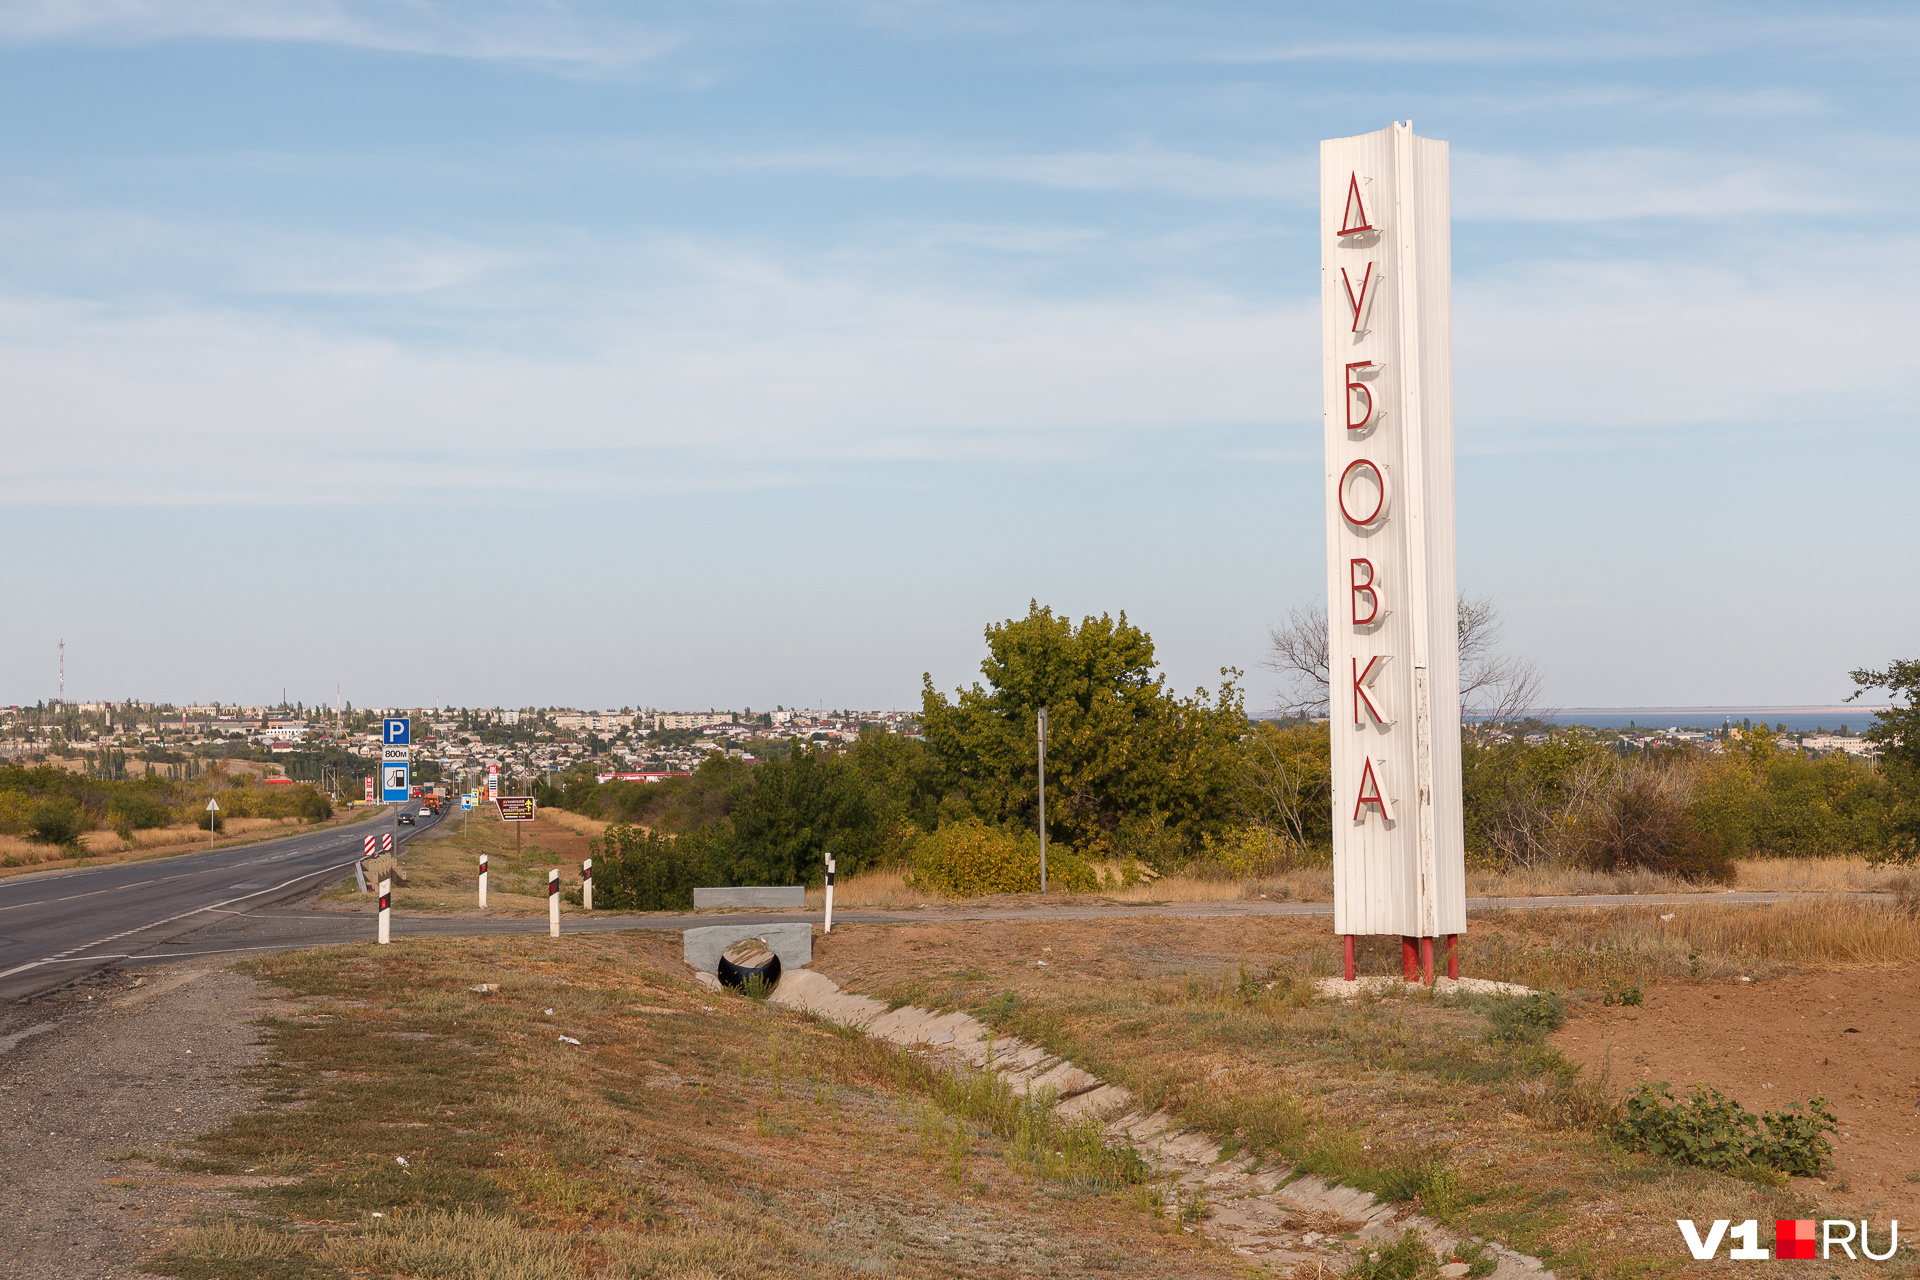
592 828
1595 949
439 1132
1418 1098
107 846
1818 875
884 887
888 888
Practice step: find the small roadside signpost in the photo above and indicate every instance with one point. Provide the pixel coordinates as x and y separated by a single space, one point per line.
396 756
213 811
516 809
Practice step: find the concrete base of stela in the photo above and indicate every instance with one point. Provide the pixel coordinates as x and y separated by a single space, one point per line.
1250 1201
1342 989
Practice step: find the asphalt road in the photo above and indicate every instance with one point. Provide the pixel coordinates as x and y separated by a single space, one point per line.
59 925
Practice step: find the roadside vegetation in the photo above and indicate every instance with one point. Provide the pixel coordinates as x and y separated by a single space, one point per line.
416 1126
1144 784
1461 1105
48 814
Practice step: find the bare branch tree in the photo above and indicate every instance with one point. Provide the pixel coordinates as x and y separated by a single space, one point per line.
1495 689
1297 652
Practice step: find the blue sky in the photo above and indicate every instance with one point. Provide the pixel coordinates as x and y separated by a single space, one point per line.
757 353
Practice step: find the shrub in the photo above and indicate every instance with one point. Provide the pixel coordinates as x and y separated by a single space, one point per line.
1525 1019
969 858
209 818
1713 1131
59 820
16 811
1643 821
639 870
138 810
1242 854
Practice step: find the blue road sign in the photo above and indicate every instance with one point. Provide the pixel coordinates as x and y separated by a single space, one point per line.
399 732
393 781
466 802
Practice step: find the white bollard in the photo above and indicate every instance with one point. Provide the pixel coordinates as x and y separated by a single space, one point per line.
553 903
586 884
829 926
386 908
483 879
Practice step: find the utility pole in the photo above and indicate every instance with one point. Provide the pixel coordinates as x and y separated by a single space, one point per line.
1043 799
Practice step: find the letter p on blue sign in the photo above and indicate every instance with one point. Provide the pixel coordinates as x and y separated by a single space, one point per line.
399 732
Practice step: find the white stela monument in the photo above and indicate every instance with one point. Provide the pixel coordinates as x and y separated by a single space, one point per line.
1393 655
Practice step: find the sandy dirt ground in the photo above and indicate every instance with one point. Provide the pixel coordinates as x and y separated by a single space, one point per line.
101 1068
1851 1034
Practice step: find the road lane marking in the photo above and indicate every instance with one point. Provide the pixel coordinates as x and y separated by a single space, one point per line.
75 952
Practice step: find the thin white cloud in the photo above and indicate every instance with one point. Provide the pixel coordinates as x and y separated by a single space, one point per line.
735 372
1625 183
1552 351
553 33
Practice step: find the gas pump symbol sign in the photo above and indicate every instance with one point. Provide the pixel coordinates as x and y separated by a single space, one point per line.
394 784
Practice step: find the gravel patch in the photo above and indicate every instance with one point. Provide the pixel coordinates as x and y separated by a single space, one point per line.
111 1064
1341 989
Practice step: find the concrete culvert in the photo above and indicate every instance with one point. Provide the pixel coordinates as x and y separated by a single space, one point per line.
746 960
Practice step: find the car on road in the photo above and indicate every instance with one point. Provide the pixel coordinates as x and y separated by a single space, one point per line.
426 813
406 819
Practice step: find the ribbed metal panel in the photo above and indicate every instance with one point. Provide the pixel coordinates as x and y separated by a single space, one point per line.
1399 868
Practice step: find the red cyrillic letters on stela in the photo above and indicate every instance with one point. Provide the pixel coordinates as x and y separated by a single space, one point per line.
1362 678
1372 792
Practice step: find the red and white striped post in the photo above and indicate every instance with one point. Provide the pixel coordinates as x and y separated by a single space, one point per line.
483 879
553 903
386 908
829 924
586 884
386 843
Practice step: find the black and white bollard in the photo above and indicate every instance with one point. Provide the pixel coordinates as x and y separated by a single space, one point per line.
586 884
829 924
386 909
483 879
553 902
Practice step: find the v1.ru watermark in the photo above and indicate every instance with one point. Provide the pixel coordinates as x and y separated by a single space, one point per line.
1792 1238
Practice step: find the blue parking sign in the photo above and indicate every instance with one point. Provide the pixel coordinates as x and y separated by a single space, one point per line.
399 732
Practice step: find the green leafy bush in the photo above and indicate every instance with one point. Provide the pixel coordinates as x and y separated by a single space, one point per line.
1713 1131
59 820
639 870
16 811
969 858
1525 1019
139 810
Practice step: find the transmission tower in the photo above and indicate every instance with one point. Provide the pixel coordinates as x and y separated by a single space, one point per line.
63 668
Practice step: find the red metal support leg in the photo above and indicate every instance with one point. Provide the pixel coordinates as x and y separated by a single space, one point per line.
1453 956
1426 961
1409 959
1349 950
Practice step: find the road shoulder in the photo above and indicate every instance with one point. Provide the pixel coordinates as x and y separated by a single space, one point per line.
110 1066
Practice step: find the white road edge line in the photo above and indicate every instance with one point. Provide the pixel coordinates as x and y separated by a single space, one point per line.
73 952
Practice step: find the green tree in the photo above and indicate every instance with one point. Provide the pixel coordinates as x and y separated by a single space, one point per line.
1896 730
791 813
1121 750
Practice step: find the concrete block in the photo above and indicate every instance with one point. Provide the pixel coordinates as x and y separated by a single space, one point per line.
763 897
793 943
